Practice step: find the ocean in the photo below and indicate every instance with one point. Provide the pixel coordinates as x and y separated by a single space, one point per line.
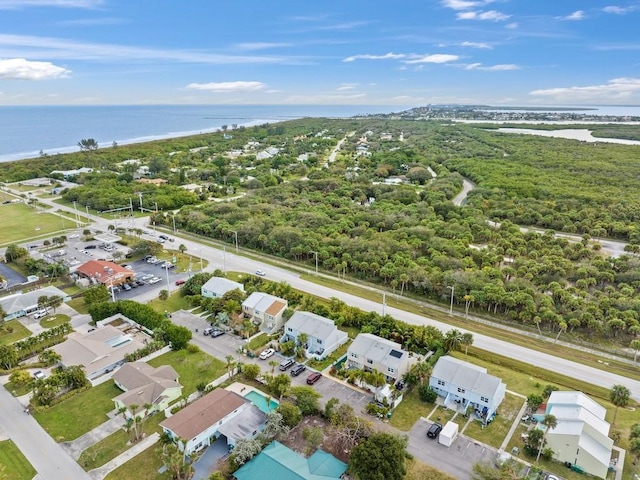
25 131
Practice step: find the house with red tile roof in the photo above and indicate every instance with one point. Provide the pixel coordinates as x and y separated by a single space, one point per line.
105 272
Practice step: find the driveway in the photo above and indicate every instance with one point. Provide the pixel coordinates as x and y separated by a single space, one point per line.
13 277
208 461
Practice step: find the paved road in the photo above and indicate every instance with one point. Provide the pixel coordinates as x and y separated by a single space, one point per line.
47 457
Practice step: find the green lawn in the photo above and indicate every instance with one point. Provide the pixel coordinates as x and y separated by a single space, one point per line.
411 408
417 470
54 320
331 359
12 331
78 305
258 341
173 303
495 433
16 466
193 368
17 390
141 467
21 222
68 420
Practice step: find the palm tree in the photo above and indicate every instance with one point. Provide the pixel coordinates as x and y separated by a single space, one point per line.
466 340
452 340
550 422
273 364
619 396
229 359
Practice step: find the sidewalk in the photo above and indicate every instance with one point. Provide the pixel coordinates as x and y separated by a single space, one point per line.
80 444
101 472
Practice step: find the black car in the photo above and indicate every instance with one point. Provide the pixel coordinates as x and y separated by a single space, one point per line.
434 430
297 370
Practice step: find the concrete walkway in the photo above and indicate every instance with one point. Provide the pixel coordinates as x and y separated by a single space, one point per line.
516 422
92 437
103 471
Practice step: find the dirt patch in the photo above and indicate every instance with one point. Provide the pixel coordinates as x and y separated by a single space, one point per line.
296 441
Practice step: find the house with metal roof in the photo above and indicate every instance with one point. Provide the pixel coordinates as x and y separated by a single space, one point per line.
218 286
265 310
219 413
581 433
21 304
323 337
369 352
279 462
465 386
143 385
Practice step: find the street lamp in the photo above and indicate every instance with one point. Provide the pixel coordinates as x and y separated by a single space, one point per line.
235 234
173 217
200 253
452 288
316 254
224 259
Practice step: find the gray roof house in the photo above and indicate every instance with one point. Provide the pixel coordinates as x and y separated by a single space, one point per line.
21 304
218 286
467 386
265 311
369 352
323 337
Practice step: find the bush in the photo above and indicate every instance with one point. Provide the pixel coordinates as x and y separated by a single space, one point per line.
192 348
427 394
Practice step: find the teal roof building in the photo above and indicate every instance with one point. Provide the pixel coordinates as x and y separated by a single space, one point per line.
279 462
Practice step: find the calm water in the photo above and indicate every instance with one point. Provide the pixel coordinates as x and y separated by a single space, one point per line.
261 402
25 131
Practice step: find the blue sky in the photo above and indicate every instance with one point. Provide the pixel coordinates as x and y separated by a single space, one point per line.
402 52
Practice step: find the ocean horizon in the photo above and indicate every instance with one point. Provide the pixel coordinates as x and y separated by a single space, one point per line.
29 130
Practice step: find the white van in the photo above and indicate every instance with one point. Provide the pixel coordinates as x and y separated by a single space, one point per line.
41 314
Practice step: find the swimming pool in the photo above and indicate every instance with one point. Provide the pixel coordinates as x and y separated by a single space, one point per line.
260 401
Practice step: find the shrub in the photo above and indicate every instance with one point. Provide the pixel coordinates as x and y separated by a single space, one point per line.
427 394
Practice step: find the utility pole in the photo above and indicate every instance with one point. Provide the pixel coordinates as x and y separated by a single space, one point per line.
384 303
235 234
452 288
316 254
224 259
173 217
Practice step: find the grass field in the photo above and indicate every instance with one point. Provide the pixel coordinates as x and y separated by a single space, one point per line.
68 420
141 467
495 433
78 305
410 410
12 331
21 222
173 303
16 466
54 320
417 470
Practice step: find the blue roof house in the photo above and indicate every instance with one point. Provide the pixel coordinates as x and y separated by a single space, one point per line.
279 462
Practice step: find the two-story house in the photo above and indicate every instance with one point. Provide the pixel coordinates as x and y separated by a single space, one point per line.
466 386
265 310
218 286
323 337
369 352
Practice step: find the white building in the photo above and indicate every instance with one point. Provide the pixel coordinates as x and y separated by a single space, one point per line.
218 286
323 337
369 352
265 310
581 434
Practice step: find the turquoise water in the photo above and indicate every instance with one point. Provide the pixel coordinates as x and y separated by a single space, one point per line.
260 401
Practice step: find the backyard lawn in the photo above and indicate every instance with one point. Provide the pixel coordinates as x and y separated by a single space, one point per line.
331 359
68 420
495 433
193 368
17 467
141 467
78 305
410 410
12 331
22 222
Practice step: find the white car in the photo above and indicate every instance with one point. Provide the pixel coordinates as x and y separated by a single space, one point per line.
154 280
40 314
260 273
39 375
267 353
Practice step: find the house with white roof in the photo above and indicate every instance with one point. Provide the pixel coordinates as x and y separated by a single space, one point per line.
466 386
323 337
21 304
581 434
218 286
369 352
66 174
265 310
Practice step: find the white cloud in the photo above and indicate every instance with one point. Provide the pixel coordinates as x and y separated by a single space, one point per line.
23 69
575 16
386 56
464 4
14 4
476 45
435 58
260 45
491 15
502 67
347 86
616 89
618 10
227 87
512 25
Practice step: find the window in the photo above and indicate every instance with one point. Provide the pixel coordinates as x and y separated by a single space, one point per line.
289 329
370 362
484 399
354 355
461 390
391 370
441 383
319 342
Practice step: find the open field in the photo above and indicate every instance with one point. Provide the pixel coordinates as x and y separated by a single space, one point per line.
12 331
21 222
16 466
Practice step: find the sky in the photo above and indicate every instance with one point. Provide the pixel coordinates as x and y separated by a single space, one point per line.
333 52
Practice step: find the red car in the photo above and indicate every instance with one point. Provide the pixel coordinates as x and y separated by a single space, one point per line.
180 282
313 378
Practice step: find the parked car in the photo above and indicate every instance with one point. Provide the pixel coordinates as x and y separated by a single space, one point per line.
153 280
90 247
160 240
41 314
126 286
133 284
434 430
313 378
39 375
163 237
147 257
207 331
267 353
297 370
216 332
285 364
181 282
260 273
139 283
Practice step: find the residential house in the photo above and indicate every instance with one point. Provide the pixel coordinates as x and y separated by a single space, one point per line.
277 461
67 174
153 181
581 434
100 351
143 385
217 414
218 286
21 304
467 386
323 337
369 352
265 310
105 272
